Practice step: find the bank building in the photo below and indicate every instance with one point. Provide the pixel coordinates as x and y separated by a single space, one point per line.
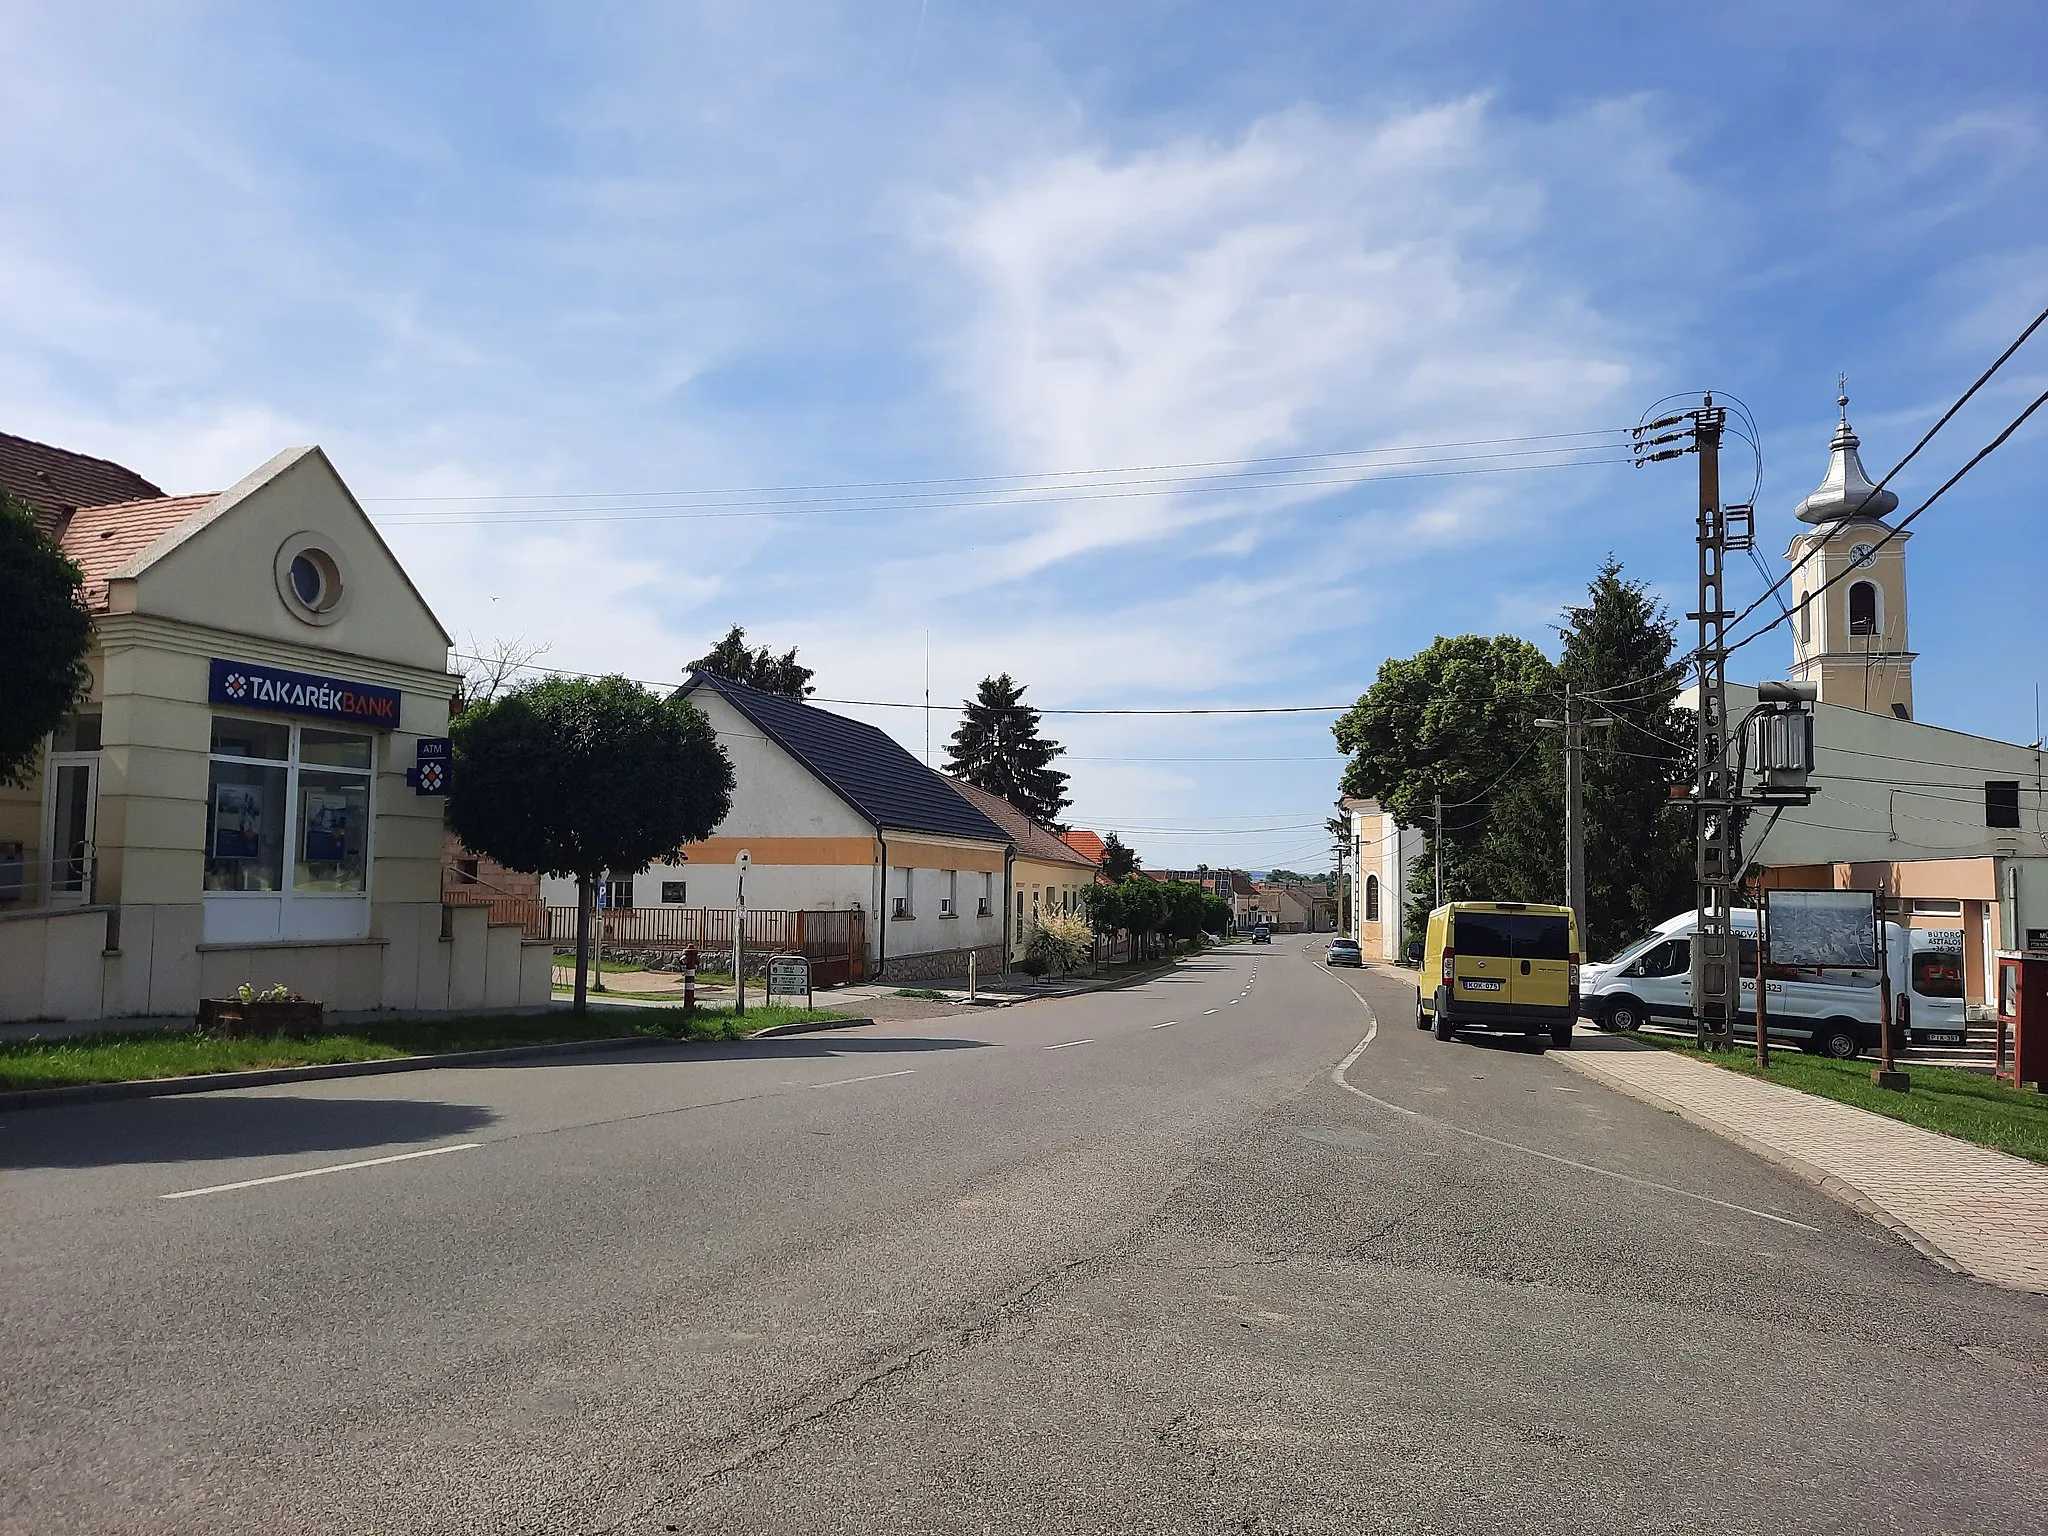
231 804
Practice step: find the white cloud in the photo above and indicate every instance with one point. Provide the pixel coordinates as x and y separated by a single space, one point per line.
1312 281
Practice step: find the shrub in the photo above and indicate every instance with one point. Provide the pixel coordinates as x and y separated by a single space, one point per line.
1058 942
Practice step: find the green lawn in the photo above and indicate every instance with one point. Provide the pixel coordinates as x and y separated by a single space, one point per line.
1967 1105
123 1057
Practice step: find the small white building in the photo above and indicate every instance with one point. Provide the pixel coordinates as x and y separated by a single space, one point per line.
1380 858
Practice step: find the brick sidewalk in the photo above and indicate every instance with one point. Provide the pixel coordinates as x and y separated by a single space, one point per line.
1978 1211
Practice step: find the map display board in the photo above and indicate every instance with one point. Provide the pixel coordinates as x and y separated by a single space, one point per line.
1832 929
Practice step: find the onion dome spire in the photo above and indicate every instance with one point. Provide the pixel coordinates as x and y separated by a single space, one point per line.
1846 495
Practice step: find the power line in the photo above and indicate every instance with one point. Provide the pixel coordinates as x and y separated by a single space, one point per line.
1686 662
1926 438
1237 709
1049 474
1905 522
523 517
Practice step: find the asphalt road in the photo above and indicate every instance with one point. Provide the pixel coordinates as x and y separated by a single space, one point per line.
1217 1253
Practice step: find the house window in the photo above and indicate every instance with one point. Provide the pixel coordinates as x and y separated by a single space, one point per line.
262 775
619 893
988 895
466 872
2001 803
900 906
949 893
1372 898
1863 608
675 893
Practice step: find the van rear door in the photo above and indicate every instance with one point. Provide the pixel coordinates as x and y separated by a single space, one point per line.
1482 961
1542 945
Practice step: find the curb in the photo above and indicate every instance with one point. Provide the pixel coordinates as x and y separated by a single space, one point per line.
1829 1184
220 1082
776 1031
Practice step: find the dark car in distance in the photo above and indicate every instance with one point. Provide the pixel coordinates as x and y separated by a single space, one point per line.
1262 935
1344 952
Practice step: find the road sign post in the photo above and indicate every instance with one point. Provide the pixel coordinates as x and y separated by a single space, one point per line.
743 863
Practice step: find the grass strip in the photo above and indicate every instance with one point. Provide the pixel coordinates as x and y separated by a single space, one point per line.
148 1054
1966 1105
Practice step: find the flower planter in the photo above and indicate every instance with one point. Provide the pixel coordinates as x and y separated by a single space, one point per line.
232 1016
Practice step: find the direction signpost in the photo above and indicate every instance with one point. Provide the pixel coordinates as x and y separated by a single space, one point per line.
789 976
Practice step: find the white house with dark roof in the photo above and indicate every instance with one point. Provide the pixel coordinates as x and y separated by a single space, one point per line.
836 816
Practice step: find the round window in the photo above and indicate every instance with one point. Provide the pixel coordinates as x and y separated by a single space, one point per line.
306 581
312 579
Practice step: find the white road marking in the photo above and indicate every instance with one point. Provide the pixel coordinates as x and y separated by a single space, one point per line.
1208 1010
1065 1043
313 1173
1167 1025
1372 1030
872 1077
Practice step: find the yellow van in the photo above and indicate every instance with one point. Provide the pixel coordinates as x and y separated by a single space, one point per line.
1500 965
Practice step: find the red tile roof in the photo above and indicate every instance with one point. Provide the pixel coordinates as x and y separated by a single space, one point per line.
1031 840
56 481
1087 844
103 539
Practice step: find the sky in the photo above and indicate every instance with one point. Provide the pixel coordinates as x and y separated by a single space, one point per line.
1114 347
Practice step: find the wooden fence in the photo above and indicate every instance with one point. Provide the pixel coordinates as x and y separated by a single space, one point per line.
835 942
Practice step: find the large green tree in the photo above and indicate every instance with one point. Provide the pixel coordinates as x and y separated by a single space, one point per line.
1456 721
577 777
1618 651
45 634
758 667
998 748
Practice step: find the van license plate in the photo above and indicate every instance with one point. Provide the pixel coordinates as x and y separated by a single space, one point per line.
1482 984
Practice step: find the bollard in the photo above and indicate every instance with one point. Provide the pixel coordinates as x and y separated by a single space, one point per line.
689 983
972 993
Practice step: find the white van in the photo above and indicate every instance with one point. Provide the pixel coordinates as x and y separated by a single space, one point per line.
1837 1013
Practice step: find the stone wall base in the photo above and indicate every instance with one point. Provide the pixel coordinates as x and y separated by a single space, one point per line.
943 964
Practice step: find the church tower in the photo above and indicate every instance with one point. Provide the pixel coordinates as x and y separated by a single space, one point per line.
1850 640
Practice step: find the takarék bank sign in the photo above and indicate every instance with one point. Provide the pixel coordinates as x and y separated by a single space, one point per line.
244 685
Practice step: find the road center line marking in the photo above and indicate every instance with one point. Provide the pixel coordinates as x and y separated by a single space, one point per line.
313 1173
1167 1025
872 1077
1065 1043
1372 1030
1208 1010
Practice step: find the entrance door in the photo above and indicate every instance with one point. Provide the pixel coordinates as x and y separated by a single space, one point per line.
74 806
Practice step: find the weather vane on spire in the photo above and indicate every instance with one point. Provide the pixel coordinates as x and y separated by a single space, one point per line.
1842 395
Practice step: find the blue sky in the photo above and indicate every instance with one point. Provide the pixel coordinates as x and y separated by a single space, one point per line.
552 265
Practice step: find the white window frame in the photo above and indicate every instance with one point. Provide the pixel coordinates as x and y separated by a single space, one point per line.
288 879
899 905
949 893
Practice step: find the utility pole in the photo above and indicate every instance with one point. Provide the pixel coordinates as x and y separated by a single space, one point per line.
1436 846
1716 794
1574 725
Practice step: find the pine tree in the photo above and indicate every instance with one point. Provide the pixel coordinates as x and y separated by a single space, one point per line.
1638 852
757 668
998 748
1118 862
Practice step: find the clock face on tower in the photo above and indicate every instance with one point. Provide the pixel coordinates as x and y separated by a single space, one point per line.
1862 556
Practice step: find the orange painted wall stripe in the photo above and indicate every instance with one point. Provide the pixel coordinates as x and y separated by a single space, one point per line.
837 851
